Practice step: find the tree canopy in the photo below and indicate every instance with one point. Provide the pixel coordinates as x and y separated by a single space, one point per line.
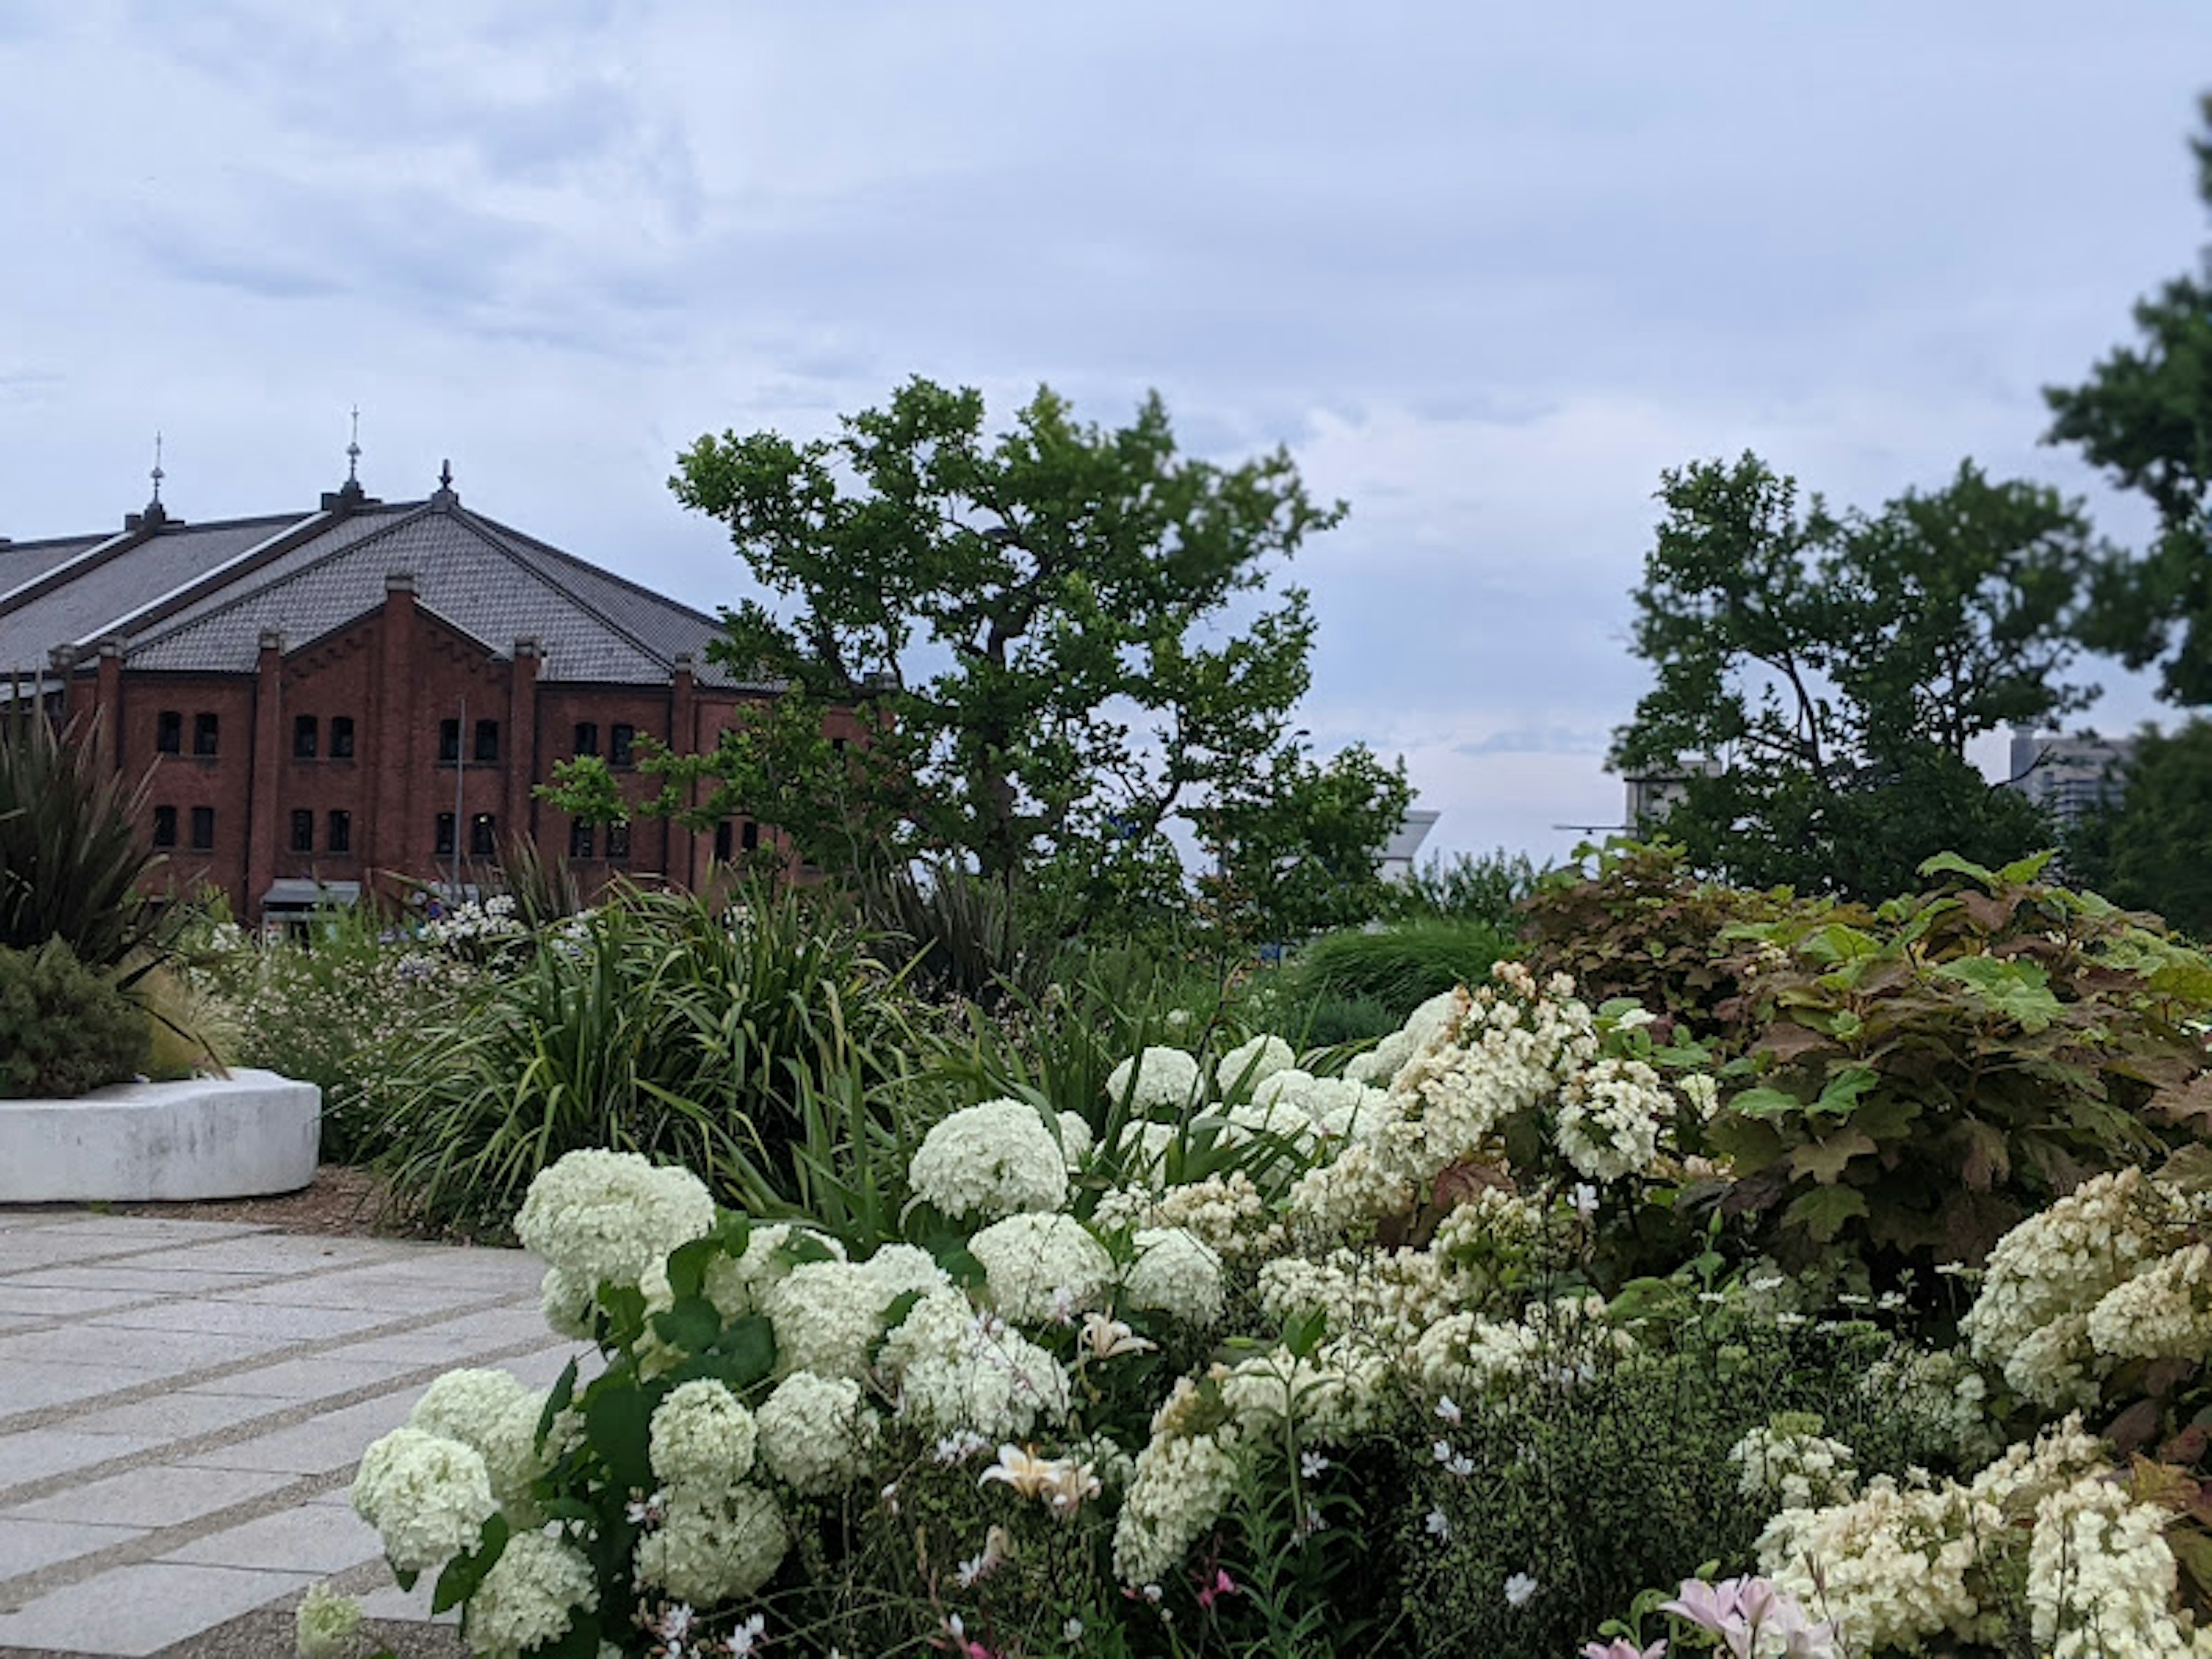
1057 642
1821 673
2145 416
2150 847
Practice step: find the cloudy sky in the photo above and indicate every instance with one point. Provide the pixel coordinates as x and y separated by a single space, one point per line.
1486 269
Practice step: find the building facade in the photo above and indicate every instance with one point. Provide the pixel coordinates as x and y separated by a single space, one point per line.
367 696
2069 776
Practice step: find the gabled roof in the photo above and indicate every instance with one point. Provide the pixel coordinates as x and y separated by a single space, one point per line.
197 598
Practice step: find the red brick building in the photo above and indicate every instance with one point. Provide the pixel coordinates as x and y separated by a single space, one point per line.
330 699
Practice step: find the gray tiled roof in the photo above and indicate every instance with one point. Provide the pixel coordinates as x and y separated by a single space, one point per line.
489 581
93 604
21 562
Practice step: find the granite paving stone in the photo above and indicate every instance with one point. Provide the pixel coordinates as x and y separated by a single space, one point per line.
215 1490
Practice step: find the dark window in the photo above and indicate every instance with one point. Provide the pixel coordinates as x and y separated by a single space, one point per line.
449 740
750 839
202 828
587 736
618 840
341 737
205 731
303 736
445 843
340 839
836 746
620 740
169 733
579 840
303 830
165 826
483 836
487 740
722 841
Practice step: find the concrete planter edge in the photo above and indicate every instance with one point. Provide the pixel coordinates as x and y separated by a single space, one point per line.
247 1134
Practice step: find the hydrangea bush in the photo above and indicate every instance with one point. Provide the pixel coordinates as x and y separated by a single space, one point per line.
1287 1362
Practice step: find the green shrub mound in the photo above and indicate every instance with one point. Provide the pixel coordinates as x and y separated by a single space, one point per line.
64 1029
1400 968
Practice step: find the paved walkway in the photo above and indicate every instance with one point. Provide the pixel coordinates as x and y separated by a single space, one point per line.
182 1404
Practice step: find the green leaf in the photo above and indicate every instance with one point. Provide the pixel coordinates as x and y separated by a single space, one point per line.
2020 871
1952 863
1835 944
618 1427
2020 991
692 1325
556 1401
1765 1101
746 1351
1824 1160
1843 1090
1823 1212
464 1573
687 1266
1302 1332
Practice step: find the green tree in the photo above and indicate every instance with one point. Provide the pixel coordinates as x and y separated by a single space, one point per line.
2150 848
1057 642
1820 674
2145 416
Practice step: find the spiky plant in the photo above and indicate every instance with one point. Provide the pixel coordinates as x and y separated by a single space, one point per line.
71 860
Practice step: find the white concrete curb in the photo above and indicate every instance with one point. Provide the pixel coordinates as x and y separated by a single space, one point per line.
233 1136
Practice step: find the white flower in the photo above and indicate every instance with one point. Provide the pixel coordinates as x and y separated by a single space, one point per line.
1029 1258
1173 1499
1520 1590
1312 1463
828 1315
956 1369
746 1637
738 1284
324 1625
604 1218
494 1415
702 1437
1250 1063
1062 1482
1438 1523
1175 1274
715 1549
1157 1080
1109 1339
568 1304
530 1597
816 1433
1076 1139
988 1161
427 1497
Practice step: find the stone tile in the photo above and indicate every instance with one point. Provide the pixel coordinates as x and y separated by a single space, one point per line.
38 1453
269 1319
34 1387
139 1610
317 1540
164 1353
321 1445
370 1288
285 1254
451 1341
180 1415
141 1281
412 1606
313 1379
54 1302
29 1546
161 1495
147 1231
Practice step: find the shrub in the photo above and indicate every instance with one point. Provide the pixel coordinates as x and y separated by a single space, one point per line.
64 1029
659 1023
972 941
1489 887
71 858
1399 968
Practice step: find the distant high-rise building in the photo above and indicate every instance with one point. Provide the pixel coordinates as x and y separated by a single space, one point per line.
2068 776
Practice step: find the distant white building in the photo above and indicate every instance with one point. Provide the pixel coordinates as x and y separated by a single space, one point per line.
1405 843
2068 776
1652 795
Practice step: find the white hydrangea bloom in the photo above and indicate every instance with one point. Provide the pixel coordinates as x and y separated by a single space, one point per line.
324 1623
529 1597
988 1161
1790 1460
827 1316
604 1218
817 1432
713 1549
492 1412
1285 1086
1177 1491
1042 1267
1249 1064
2164 1312
1076 1139
1174 1272
702 1437
568 1304
737 1285
1158 1079
428 1497
1609 1119
1334 1396
898 1269
1226 1211
1144 1147
958 1371
2100 1576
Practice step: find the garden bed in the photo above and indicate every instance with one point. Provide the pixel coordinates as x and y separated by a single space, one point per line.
247 1134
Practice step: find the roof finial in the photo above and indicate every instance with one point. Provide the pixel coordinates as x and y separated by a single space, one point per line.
158 474
446 474
353 449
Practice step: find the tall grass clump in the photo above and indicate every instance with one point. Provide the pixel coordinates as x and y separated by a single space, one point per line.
712 1034
1471 887
1397 968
